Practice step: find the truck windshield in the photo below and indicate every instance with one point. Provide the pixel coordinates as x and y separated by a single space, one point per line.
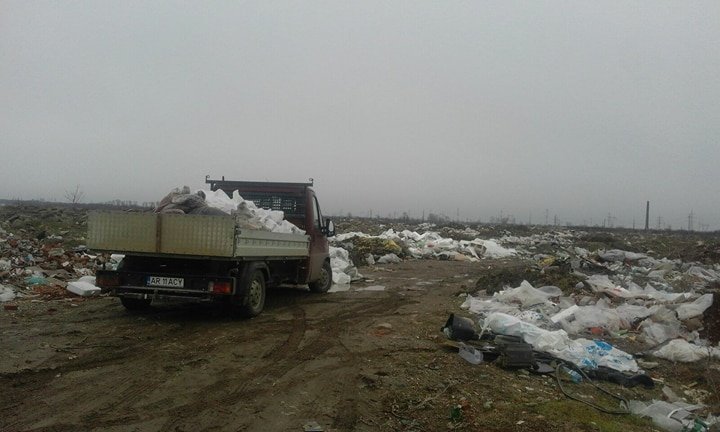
318 215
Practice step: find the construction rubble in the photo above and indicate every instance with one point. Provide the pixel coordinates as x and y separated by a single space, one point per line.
651 304
39 264
207 202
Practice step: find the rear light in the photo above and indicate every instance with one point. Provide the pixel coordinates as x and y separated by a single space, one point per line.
220 287
107 280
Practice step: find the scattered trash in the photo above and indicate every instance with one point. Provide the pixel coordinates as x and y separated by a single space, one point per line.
581 351
470 354
312 426
690 310
84 289
459 328
513 353
389 259
566 313
6 294
683 351
35 279
674 417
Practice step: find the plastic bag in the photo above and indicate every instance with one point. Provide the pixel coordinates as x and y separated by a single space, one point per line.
389 259
525 294
681 350
690 310
6 293
582 352
656 333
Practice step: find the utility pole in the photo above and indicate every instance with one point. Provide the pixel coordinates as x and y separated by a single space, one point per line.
547 213
647 216
691 221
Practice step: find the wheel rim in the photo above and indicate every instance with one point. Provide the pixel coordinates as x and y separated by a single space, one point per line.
255 294
324 277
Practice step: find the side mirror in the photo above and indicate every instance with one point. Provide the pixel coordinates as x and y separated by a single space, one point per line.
329 229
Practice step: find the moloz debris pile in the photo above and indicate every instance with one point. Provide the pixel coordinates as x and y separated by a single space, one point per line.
42 255
658 307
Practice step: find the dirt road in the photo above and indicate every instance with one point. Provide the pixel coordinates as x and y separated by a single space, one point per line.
358 360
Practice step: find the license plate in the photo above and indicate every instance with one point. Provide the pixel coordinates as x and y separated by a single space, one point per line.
168 282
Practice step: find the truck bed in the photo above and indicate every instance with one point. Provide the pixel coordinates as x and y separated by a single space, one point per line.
188 235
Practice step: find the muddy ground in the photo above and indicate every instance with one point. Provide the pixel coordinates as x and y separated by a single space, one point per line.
358 360
349 361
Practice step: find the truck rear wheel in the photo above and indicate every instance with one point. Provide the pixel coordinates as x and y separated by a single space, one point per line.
254 300
324 283
134 304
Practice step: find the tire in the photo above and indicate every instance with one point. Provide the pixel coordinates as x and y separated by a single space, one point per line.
254 299
324 283
133 304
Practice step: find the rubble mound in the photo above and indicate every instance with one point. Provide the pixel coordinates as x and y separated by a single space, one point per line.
360 247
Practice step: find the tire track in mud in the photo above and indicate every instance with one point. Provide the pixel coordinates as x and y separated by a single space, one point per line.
34 383
299 325
280 361
214 405
216 395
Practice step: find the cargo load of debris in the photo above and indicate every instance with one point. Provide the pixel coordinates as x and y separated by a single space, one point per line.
207 202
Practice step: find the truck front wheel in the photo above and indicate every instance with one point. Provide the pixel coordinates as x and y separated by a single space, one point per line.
254 301
324 283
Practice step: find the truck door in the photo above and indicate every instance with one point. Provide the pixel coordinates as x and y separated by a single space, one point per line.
318 240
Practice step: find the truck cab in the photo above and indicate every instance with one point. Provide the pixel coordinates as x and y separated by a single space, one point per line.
301 207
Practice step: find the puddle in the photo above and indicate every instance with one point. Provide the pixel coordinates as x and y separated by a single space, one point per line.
339 288
348 287
372 288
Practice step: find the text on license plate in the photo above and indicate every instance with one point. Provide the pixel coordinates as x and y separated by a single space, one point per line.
162 281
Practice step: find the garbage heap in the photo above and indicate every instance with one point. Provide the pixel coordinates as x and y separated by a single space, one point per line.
391 247
40 254
659 307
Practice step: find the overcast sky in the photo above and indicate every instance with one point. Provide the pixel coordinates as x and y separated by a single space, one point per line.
580 108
